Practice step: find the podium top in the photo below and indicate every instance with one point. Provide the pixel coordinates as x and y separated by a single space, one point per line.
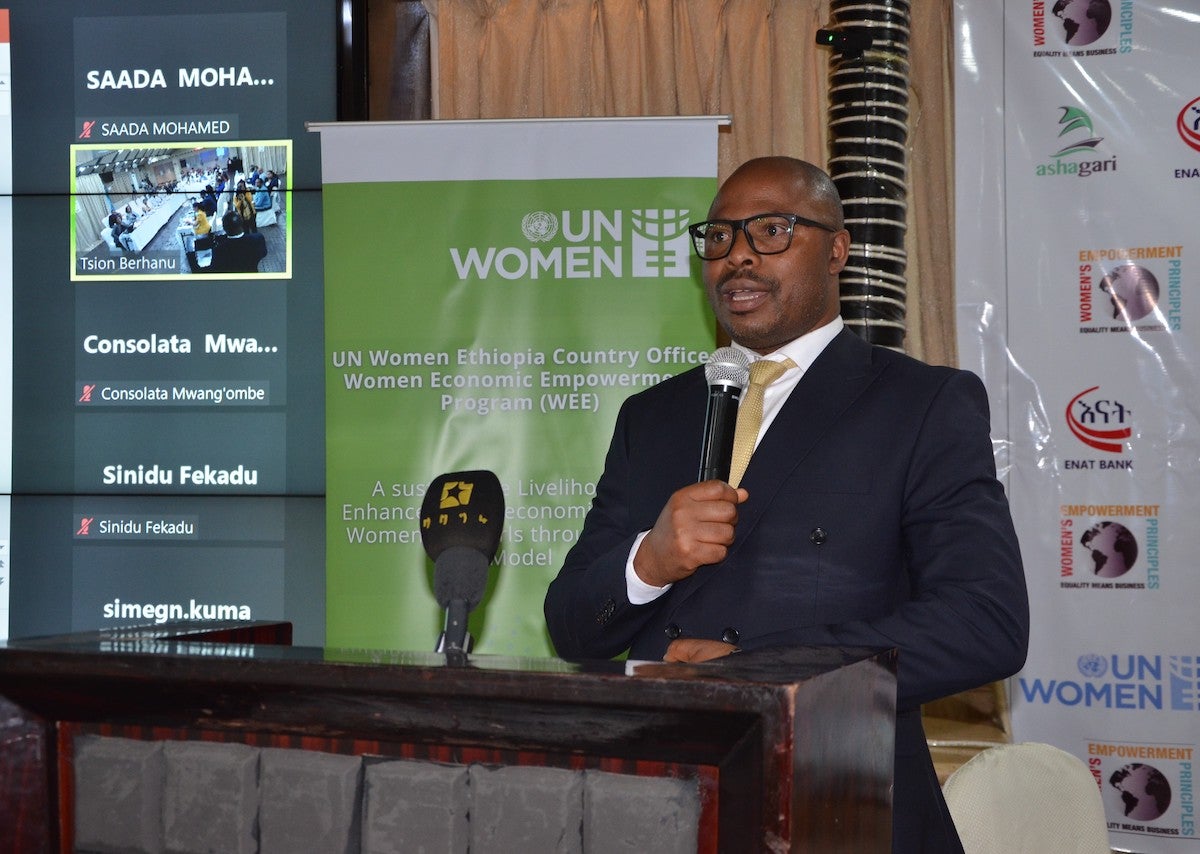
269 643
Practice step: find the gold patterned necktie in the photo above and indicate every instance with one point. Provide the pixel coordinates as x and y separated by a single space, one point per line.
750 413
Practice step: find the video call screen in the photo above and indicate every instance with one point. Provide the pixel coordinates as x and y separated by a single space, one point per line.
162 247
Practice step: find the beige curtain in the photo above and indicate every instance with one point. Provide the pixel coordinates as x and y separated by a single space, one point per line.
930 239
264 157
90 211
753 60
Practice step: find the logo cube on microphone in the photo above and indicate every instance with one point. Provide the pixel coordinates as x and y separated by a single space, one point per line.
463 509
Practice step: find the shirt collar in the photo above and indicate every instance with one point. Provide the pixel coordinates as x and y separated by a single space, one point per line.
803 350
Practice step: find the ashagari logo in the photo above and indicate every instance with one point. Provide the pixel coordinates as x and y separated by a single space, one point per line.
1079 140
1074 119
587 244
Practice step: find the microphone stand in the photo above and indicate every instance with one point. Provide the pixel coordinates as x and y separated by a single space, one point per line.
456 640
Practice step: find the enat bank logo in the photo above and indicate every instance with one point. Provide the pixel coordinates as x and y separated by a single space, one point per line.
1077 142
1062 28
1102 423
1121 681
1187 124
586 244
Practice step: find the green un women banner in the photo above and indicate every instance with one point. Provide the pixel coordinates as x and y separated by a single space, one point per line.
493 291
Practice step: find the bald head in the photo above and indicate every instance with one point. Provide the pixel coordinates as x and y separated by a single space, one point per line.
806 183
763 300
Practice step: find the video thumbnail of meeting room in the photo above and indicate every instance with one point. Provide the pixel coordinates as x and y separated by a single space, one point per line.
214 211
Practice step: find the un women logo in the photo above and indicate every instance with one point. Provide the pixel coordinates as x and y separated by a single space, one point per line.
539 226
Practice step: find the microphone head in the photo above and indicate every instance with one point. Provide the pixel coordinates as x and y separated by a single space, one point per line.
460 573
728 367
463 509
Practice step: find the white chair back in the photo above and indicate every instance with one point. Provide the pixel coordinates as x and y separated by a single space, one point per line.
1030 797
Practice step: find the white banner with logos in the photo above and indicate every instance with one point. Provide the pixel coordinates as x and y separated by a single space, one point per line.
1078 170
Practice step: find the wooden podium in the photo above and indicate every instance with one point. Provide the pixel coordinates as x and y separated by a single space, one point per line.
792 748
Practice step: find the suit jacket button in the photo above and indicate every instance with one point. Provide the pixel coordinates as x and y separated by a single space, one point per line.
673 631
818 536
730 636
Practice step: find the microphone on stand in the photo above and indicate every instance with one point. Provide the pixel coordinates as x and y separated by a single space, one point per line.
462 517
728 374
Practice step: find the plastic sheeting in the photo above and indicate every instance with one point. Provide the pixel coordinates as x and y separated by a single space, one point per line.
1078 162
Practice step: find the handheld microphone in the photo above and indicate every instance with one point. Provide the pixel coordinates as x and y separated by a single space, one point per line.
462 517
728 374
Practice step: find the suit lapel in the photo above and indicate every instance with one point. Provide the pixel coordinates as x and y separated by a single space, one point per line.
828 388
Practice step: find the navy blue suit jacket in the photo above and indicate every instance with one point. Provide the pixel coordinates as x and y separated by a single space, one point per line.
874 519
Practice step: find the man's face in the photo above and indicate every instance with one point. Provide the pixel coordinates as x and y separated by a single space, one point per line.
765 301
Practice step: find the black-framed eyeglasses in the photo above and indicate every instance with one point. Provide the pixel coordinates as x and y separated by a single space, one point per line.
767 234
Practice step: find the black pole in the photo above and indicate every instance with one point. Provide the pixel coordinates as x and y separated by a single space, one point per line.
352 60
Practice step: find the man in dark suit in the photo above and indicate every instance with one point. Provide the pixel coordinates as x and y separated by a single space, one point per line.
235 251
869 514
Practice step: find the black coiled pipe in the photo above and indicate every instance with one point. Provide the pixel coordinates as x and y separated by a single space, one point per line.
868 133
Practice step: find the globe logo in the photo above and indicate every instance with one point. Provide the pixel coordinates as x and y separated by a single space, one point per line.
1091 665
1133 291
1113 548
539 226
1144 791
1083 21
